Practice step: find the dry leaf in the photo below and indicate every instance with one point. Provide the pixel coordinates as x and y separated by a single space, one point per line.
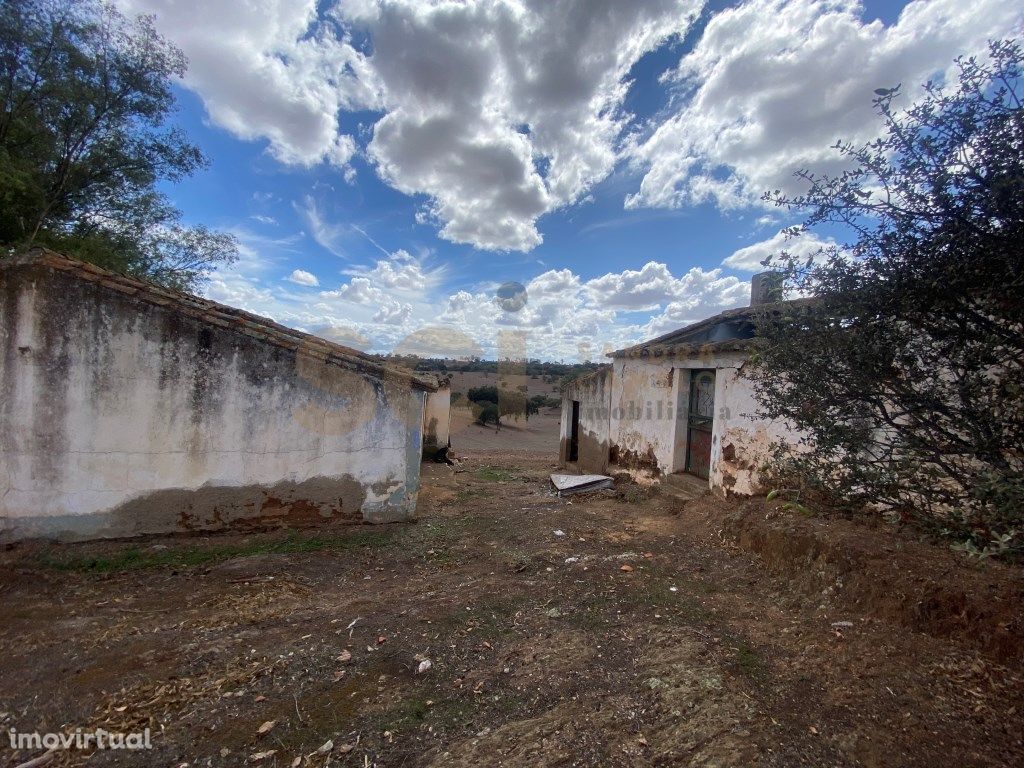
263 755
346 655
326 747
626 568
265 728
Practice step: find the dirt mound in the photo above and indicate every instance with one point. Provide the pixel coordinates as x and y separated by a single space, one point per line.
921 586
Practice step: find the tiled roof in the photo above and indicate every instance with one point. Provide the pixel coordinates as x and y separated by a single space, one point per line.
220 316
685 341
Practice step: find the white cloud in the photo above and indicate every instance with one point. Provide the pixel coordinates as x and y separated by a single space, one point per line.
400 303
496 112
772 84
270 69
358 290
630 289
302 277
749 258
571 318
392 312
499 112
327 234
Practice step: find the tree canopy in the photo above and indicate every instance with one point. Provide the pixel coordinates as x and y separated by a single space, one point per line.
85 98
905 370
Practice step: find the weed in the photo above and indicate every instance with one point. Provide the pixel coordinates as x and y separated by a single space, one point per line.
634 494
494 475
748 659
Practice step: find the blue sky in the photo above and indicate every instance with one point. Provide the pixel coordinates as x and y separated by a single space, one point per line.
387 165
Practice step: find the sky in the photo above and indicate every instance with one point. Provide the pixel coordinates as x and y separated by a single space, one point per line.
387 166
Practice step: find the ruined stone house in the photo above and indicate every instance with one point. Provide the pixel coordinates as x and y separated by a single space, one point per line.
128 408
677 405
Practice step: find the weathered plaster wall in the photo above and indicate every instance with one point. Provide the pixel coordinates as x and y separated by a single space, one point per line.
437 420
643 414
742 441
120 417
594 395
647 427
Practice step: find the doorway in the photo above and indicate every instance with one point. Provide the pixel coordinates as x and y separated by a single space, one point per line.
700 418
574 432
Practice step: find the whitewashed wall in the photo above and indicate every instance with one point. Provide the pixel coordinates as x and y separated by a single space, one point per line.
119 418
648 405
593 393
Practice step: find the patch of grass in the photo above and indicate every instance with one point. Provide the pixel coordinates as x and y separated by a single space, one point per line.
634 494
134 558
748 660
443 715
494 475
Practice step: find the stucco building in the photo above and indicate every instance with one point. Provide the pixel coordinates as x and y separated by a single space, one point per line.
127 408
677 405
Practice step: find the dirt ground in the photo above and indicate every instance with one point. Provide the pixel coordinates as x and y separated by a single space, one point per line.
539 434
611 629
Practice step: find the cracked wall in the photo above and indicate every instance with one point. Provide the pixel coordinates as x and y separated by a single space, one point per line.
122 417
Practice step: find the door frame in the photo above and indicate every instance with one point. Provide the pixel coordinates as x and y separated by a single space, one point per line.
574 432
697 422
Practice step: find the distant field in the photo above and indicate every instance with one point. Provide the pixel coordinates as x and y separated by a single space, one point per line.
539 435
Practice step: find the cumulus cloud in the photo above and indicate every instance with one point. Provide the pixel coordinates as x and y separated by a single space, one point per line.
493 113
302 277
772 84
501 111
392 312
750 258
399 304
272 70
571 318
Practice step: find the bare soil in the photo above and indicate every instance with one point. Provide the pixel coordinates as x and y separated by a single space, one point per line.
537 435
608 629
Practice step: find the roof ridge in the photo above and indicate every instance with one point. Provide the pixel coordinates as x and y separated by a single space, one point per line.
217 314
665 339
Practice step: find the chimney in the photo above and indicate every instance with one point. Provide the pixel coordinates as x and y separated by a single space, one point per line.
765 288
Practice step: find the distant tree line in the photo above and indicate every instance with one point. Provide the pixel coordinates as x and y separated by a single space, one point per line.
490 404
549 372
